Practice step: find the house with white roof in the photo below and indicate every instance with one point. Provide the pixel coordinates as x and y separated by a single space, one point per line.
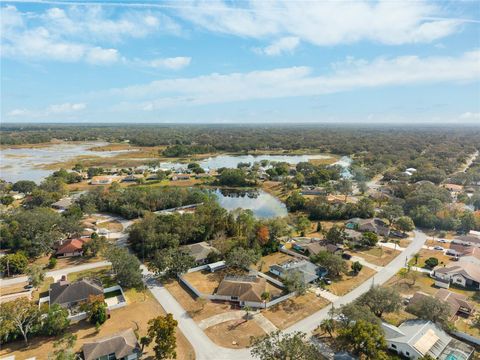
416 338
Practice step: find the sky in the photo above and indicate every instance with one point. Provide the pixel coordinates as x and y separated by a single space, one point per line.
263 61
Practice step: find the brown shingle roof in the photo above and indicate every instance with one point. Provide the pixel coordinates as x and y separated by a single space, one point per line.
121 344
246 288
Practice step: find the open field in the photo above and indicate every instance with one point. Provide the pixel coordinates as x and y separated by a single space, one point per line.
294 309
113 225
378 255
140 309
234 333
348 282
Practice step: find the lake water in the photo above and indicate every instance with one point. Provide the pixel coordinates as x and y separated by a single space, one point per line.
231 161
262 204
26 164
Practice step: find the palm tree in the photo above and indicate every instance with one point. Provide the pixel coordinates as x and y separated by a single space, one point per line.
396 242
416 256
328 326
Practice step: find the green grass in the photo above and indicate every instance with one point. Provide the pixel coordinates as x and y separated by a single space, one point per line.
102 274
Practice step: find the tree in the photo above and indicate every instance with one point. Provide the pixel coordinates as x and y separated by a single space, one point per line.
22 315
364 338
263 234
356 267
353 312
96 245
232 177
52 262
278 346
96 309
431 262
333 263
362 187
302 225
381 300
35 274
369 239
391 212
396 242
241 258
171 263
293 282
335 235
467 221
162 332
63 348
404 224
416 256
344 187
126 267
430 308
56 320
24 186
12 264
295 202
327 326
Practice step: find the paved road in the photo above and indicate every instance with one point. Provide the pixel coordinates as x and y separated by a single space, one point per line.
206 349
56 273
309 324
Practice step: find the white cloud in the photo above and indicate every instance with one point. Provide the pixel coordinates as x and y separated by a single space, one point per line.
173 63
324 22
284 45
298 81
55 109
470 116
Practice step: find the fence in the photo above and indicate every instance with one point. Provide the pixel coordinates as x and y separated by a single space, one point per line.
280 299
469 338
270 279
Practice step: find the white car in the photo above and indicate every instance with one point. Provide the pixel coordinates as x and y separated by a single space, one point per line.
438 248
442 240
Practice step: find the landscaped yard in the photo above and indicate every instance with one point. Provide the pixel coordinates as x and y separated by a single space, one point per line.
141 308
294 309
378 255
234 333
348 282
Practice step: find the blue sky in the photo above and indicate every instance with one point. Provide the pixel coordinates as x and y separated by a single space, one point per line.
248 62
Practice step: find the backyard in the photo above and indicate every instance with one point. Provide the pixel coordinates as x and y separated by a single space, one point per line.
378 255
348 282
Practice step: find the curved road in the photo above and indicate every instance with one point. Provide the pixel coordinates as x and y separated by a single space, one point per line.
205 349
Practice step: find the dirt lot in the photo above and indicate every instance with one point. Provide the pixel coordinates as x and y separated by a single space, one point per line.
267 261
234 334
378 255
348 282
295 309
136 313
198 310
205 281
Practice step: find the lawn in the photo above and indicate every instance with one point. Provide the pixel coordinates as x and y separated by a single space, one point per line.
197 309
235 333
275 258
348 282
378 255
101 273
425 254
294 309
141 308
67 262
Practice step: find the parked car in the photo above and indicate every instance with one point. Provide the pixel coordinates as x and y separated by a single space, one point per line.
442 241
438 248
327 281
346 256
28 286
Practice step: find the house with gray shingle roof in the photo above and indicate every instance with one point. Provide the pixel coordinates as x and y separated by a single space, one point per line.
120 346
68 294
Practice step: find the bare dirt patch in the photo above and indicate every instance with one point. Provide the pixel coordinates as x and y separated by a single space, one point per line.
113 225
234 334
295 309
275 258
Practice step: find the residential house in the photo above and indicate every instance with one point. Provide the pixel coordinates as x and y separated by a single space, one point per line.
70 248
177 177
470 239
104 180
308 271
68 294
132 178
464 274
200 251
63 204
353 236
120 346
307 246
417 338
246 290
457 302
375 225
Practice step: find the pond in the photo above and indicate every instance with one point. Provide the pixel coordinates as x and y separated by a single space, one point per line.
262 204
27 163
